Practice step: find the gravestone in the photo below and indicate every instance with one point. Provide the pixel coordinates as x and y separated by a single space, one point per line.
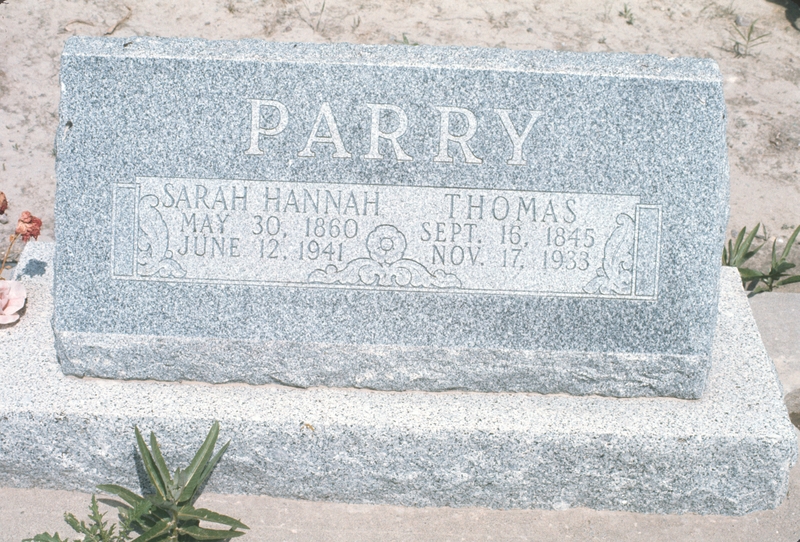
394 218
406 219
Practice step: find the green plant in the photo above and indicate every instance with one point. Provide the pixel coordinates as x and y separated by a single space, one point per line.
627 14
606 17
745 40
167 516
777 274
406 41
311 14
739 252
98 529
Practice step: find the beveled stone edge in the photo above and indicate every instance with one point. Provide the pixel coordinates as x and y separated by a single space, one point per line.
621 65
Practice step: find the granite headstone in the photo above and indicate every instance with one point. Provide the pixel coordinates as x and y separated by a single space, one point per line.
394 218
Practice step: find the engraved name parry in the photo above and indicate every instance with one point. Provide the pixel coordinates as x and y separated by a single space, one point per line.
390 123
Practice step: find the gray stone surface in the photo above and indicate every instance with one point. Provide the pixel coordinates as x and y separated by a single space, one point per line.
381 243
285 520
727 453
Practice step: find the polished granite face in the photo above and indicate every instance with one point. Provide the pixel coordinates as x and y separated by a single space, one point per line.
399 218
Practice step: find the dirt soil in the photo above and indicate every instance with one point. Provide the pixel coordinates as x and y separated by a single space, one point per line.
762 82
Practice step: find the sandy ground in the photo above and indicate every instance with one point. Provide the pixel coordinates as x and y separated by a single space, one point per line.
762 89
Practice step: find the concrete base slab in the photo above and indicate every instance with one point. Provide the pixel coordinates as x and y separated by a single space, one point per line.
727 453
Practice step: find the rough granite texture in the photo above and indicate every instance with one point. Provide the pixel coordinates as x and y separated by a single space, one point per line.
727 453
392 218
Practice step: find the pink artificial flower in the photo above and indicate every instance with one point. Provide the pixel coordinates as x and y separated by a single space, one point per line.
12 299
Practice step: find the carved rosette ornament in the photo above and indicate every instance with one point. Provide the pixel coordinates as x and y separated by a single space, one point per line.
616 274
385 266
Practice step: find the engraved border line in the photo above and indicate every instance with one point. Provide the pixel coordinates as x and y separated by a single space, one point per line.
139 180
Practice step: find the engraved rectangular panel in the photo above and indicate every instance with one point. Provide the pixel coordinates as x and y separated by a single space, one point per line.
124 230
387 237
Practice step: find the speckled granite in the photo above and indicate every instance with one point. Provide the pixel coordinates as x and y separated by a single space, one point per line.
392 218
727 453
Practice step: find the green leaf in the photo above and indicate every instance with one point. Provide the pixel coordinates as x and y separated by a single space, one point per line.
149 465
742 246
155 516
740 237
159 529
129 517
750 274
140 509
734 248
201 533
195 470
789 280
97 517
790 243
158 459
750 254
46 537
135 515
782 267
76 525
125 494
161 508
197 481
187 512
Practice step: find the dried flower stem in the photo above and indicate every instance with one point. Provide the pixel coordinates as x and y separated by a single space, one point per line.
5 256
